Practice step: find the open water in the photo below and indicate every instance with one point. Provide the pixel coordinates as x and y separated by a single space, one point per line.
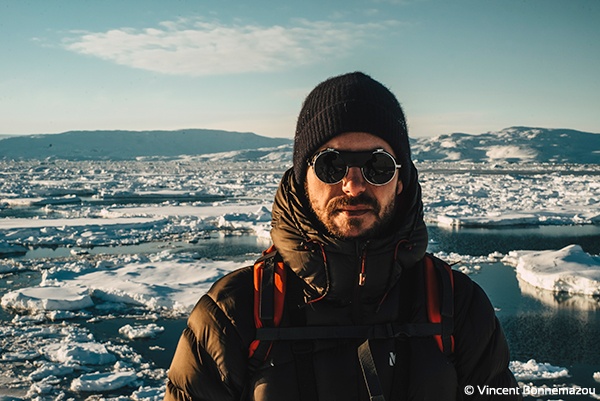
550 328
547 327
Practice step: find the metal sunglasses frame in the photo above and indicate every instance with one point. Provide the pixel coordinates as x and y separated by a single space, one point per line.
311 163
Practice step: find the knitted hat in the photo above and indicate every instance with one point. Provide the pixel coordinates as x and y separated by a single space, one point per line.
353 102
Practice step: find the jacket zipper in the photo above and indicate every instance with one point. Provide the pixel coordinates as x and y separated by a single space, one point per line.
361 250
362 275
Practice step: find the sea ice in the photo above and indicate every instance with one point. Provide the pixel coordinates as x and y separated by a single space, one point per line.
103 381
532 370
166 282
485 200
561 300
149 393
146 331
48 298
111 203
569 270
82 353
51 369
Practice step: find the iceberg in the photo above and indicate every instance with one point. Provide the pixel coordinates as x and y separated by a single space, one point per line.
569 270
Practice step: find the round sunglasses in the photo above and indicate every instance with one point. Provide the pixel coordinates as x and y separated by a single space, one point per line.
378 167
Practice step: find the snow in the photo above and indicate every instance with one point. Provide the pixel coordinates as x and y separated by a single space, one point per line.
103 381
510 152
48 298
50 369
147 331
532 370
514 144
508 198
130 232
161 282
80 353
62 224
569 270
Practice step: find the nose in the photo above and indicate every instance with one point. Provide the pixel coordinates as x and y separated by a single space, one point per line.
354 183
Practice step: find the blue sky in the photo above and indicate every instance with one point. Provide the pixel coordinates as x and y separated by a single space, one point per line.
456 66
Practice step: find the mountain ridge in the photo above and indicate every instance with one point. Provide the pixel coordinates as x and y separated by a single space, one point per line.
126 145
514 144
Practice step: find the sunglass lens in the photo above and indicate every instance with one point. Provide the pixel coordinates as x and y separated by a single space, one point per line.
380 169
330 167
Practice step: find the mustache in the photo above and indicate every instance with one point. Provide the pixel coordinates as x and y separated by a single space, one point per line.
363 199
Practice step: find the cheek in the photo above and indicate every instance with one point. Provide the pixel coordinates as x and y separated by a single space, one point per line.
317 192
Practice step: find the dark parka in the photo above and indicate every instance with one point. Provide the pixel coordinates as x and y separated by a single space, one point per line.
211 360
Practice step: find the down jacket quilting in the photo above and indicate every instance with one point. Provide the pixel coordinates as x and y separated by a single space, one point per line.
211 360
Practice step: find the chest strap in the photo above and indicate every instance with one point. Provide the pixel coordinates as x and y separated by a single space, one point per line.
371 332
269 297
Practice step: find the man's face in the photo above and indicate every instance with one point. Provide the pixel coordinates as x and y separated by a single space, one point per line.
353 208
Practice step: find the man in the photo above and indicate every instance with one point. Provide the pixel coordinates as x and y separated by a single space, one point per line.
347 225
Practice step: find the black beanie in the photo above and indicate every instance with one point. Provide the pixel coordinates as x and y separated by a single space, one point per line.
352 102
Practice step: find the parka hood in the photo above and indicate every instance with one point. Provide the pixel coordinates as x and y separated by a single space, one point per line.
331 266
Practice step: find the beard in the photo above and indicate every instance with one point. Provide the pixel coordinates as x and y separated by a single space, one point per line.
341 228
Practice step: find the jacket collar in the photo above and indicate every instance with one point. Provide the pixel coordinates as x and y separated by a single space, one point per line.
331 267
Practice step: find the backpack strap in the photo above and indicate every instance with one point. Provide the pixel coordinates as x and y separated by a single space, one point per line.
269 295
369 369
439 297
440 300
440 316
269 298
372 332
305 369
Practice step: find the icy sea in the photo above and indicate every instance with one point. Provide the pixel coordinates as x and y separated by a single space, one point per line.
100 263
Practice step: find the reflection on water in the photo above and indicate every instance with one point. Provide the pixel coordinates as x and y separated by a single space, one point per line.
483 241
159 350
553 328
218 248
559 300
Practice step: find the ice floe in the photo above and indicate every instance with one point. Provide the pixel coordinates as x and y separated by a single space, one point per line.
104 381
146 331
172 283
532 370
561 300
569 270
86 208
472 199
81 353
50 360
48 298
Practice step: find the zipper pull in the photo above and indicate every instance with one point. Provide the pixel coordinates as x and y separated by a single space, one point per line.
361 278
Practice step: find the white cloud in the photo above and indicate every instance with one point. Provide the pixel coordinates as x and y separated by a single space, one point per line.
199 48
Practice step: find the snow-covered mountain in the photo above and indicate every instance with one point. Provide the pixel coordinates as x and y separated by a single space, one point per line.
515 144
127 145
